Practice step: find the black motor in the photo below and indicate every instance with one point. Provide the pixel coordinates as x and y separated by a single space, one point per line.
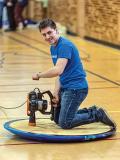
35 102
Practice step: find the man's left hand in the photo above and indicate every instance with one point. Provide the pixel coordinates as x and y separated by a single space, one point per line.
35 76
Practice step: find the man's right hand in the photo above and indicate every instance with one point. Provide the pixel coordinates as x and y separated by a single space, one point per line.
55 99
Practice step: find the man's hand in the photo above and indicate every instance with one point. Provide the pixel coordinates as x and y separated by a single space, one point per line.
55 99
36 76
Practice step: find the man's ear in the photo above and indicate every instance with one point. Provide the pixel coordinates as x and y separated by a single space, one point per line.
57 31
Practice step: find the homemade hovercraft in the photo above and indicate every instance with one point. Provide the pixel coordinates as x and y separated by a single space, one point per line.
45 129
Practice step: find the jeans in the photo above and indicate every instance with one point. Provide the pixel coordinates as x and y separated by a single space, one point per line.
1 12
67 114
18 13
11 18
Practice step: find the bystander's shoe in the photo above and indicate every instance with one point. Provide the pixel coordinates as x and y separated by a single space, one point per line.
9 30
105 118
20 26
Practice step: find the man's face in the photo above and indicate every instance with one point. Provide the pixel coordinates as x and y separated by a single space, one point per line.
50 35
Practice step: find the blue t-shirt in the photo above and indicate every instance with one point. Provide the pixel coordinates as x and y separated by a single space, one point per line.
73 76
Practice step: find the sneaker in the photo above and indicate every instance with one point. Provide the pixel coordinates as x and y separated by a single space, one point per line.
9 30
105 118
93 108
20 26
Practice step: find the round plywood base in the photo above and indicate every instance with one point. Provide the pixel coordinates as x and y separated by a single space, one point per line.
47 130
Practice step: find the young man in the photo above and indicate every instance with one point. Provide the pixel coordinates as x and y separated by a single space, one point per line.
71 87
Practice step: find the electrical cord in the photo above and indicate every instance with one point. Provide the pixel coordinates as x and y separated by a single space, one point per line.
13 107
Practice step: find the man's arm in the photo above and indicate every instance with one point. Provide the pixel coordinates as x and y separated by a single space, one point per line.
57 85
56 91
55 71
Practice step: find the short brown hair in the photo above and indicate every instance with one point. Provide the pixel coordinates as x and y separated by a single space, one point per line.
47 23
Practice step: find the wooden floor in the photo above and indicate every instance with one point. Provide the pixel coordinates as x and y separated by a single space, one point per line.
24 53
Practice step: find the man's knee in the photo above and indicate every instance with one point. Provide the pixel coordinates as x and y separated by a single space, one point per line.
64 124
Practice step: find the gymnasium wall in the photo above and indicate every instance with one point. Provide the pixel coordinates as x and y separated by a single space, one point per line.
65 12
98 19
34 10
102 20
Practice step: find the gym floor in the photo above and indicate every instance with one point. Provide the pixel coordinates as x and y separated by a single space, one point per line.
23 53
